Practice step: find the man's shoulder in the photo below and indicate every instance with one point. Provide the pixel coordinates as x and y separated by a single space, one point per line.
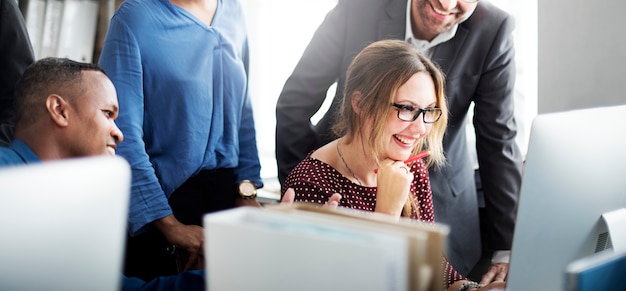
487 12
358 7
9 157
491 9
361 2
17 153
488 22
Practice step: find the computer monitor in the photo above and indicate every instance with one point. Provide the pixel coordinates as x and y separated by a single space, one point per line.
602 271
574 173
64 224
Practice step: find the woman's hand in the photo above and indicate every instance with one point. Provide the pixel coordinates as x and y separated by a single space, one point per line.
290 195
393 182
493 286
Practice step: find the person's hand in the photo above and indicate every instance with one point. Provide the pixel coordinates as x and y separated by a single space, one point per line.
290 195
187 237
493 286
497 272
334 200
394 181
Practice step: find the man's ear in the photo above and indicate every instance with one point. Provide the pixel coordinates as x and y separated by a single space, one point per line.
58 109
355 99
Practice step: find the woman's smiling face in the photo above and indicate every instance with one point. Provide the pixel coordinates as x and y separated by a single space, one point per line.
403 136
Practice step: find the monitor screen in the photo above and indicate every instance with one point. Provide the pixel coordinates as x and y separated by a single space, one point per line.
574 173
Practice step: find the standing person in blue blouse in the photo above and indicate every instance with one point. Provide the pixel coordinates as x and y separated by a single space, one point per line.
180 68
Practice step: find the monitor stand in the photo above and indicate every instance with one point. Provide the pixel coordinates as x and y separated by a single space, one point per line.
615 235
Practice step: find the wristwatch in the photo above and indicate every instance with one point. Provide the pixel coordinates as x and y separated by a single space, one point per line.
247 189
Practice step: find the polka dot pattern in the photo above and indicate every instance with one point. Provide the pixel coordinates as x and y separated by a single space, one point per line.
315 181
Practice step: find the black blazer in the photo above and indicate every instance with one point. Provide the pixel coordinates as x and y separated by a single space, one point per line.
16 54
479 66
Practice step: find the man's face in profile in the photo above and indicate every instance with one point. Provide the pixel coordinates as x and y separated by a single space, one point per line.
95 130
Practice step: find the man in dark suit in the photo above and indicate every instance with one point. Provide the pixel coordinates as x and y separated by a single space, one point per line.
16 54
472 42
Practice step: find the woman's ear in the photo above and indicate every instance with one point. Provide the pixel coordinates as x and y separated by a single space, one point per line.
58 109
355 99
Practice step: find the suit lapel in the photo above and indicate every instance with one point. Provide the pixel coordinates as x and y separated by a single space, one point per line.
446 53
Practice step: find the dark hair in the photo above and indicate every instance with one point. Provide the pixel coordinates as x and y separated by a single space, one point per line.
48 76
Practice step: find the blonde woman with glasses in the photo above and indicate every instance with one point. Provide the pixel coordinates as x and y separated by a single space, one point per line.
390 126
477 190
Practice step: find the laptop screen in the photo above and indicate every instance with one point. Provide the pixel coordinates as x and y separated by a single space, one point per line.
64 224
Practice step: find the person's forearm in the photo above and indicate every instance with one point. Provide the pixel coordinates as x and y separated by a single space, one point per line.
165 224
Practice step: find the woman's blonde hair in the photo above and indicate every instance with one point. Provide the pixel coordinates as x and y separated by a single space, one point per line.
375 75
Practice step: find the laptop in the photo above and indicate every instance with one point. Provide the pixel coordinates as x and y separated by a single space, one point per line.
64 224
602 271
573 195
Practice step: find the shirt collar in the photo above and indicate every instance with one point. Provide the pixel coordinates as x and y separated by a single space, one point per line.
27 154
425 46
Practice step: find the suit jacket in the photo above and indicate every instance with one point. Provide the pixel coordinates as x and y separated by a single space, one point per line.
479 66
16 54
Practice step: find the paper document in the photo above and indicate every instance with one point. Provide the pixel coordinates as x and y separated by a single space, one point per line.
305 247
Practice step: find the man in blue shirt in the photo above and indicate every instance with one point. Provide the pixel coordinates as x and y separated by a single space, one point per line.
67 109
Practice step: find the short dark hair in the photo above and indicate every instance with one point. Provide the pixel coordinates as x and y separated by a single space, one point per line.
48 76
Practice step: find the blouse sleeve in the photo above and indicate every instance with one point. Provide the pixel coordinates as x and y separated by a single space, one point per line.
121 60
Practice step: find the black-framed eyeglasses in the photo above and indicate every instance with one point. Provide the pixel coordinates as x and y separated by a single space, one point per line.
411 113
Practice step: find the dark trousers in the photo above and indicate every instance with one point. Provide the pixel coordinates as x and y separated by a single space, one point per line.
149 255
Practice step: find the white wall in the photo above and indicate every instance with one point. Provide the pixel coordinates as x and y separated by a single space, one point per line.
525 38
279 31
582 54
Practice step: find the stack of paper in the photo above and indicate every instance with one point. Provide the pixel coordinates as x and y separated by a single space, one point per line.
306 247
